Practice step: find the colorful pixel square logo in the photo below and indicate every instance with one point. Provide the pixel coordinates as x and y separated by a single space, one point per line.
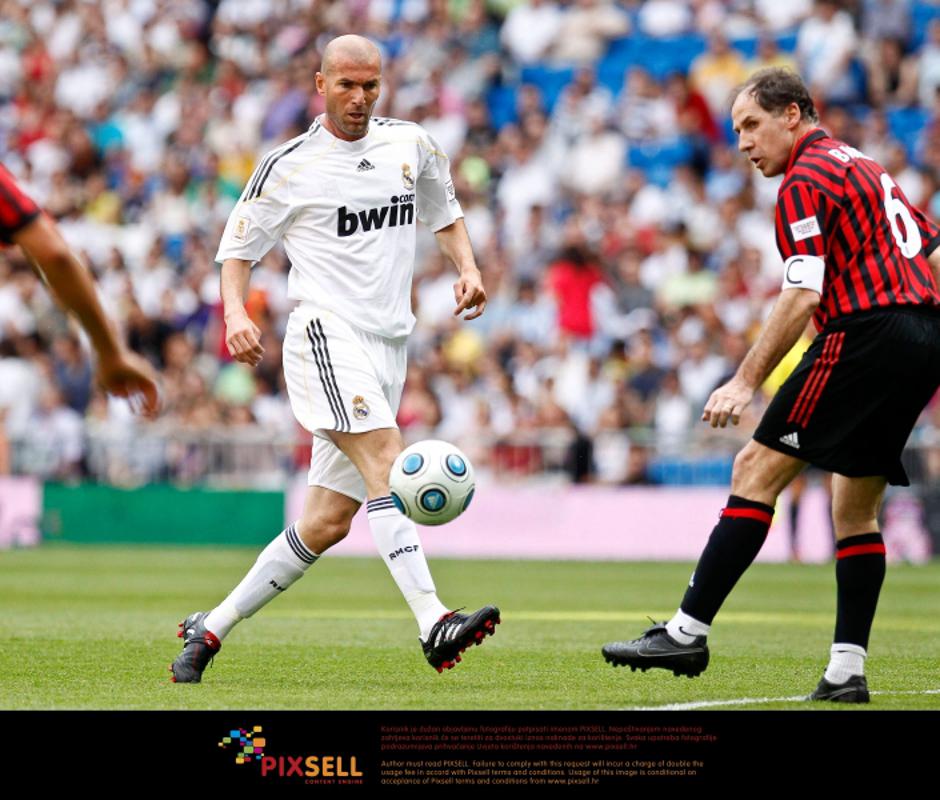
249 744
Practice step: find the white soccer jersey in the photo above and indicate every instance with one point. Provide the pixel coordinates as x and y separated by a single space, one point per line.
346 213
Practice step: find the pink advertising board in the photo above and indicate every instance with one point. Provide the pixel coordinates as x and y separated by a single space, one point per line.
20 508
593 523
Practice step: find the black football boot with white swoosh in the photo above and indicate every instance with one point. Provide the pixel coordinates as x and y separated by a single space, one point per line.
854 690
454 632
199 648
656 648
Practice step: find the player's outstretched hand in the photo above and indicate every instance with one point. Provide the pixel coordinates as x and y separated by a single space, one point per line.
126 374
469 293
727 402
243 339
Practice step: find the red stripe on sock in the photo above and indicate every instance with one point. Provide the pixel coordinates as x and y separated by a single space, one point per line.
749 513
861 550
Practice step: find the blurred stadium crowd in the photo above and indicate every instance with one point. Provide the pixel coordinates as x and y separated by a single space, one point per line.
628 251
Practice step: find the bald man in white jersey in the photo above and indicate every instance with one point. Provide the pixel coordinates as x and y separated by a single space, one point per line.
343 199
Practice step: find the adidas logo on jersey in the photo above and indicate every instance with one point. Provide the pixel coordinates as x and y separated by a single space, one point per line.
364 166
792 440
400 212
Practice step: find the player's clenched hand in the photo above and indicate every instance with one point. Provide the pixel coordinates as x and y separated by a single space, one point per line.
469 293
727 402
243 339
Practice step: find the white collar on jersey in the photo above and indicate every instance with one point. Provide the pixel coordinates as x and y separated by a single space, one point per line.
351 146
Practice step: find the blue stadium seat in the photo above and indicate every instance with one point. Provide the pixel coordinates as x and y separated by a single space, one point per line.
550 80
611 72
658 159
747 46
672 54
906 126
921 14
727 128
787 42
501 102
661 57
622 48
859 76
859 111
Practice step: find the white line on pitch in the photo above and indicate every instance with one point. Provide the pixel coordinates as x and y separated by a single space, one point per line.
742 701
746 701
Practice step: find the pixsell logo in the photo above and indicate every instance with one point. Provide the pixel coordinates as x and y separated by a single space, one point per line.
321 768
248 744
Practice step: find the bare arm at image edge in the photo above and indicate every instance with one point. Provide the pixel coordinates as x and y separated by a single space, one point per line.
120 371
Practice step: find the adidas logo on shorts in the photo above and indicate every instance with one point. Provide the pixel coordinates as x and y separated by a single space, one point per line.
792 440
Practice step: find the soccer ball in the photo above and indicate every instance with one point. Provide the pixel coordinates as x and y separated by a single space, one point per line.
432 482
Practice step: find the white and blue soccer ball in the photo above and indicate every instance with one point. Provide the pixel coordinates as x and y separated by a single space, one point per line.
432 482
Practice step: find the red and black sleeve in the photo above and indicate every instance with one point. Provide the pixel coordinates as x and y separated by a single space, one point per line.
16 208
929 231
803 218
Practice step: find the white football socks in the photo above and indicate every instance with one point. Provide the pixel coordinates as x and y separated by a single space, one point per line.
281 563
396 538
684 629
845 660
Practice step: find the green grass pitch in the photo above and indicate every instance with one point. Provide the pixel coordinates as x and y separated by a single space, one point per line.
94 628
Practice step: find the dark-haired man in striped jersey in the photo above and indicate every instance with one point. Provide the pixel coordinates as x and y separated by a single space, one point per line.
344 199
863 264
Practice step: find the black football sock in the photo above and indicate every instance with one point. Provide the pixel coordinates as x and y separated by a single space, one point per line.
860 571
734 544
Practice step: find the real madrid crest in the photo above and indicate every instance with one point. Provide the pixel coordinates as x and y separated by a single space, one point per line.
407 181
360 407
240 234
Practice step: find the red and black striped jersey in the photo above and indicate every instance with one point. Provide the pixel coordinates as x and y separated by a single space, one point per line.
16 208
839 205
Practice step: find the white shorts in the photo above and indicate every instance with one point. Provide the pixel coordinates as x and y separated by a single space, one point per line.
340 378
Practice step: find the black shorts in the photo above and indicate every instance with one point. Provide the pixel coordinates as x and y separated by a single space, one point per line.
852 401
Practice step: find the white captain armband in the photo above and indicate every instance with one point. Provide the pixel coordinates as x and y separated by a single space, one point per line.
804 272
